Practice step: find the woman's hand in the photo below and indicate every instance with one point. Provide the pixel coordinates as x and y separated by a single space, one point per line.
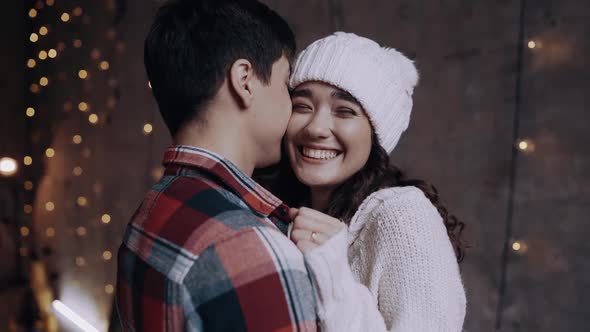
312 228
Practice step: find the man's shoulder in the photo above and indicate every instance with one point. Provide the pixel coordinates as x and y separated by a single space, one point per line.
182 216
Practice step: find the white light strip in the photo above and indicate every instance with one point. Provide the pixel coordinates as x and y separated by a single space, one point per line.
73 317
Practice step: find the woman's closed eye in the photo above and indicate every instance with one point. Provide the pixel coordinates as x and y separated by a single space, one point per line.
345 112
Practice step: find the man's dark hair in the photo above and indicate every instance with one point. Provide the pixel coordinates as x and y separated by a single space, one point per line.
192 44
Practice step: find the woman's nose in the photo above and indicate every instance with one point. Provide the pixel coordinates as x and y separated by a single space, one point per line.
320 125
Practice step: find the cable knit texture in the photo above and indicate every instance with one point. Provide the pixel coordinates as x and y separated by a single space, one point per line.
394 269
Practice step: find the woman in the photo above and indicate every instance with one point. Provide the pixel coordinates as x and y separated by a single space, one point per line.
392 264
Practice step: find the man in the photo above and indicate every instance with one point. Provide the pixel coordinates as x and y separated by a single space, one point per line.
206 250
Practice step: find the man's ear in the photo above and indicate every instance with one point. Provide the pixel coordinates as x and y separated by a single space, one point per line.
241 76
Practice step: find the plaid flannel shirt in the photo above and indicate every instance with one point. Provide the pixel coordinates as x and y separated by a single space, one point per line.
206 251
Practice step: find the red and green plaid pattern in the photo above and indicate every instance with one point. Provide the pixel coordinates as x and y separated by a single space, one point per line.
206 251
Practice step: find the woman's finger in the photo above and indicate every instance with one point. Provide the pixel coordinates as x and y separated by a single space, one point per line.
306 235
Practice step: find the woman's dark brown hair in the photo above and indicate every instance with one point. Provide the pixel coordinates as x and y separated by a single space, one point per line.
345 200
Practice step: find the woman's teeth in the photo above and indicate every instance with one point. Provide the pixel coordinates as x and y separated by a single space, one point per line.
319 154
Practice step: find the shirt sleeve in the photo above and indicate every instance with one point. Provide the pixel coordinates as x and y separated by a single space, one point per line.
255 280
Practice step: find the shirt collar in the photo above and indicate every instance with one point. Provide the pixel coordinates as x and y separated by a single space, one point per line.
253 194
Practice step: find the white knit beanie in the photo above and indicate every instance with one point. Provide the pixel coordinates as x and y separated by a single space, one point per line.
381 79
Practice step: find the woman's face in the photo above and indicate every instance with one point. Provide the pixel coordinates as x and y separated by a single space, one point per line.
328 138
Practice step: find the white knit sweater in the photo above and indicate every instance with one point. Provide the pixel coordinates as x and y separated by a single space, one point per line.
402 276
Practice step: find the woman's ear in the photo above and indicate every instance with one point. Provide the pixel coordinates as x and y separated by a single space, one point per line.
241 75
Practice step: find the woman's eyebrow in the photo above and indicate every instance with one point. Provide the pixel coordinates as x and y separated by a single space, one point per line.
343 95
301 93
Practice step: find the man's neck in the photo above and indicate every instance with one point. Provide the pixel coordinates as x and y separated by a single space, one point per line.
228 141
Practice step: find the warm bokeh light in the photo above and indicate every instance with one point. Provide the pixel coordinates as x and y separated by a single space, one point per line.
8 166
27 160
104 65
28 209
81 231
34 37
35 88
83 106
30 112
43 30
77 139
31 63
106 218
24 231
80 261
42 55
50 232
28 185
77 43
107 255
532 44
49 206
147 128
50 152
109 289
77 11
77 171
65 17
93 118
32 13
52 53
83 74
44 81
82 201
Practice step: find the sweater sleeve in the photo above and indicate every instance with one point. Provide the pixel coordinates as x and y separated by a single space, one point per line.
343 303
419 284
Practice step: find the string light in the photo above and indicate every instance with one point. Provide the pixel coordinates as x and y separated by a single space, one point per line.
49 2
109 289
65 17
32 13
80 261
43 30
107 255
77 11
147 128
519 247
28 209
77 139
95 54
93 118
77 43
30 112
35 88
31 63
77 171
106 218
44 81
525 145
28 185
50 206
81 231
82 201
42 55
52 53
104 65
50 232
8 166
531 44
50 153
27 160
34 37
83 74
24 231
83 107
